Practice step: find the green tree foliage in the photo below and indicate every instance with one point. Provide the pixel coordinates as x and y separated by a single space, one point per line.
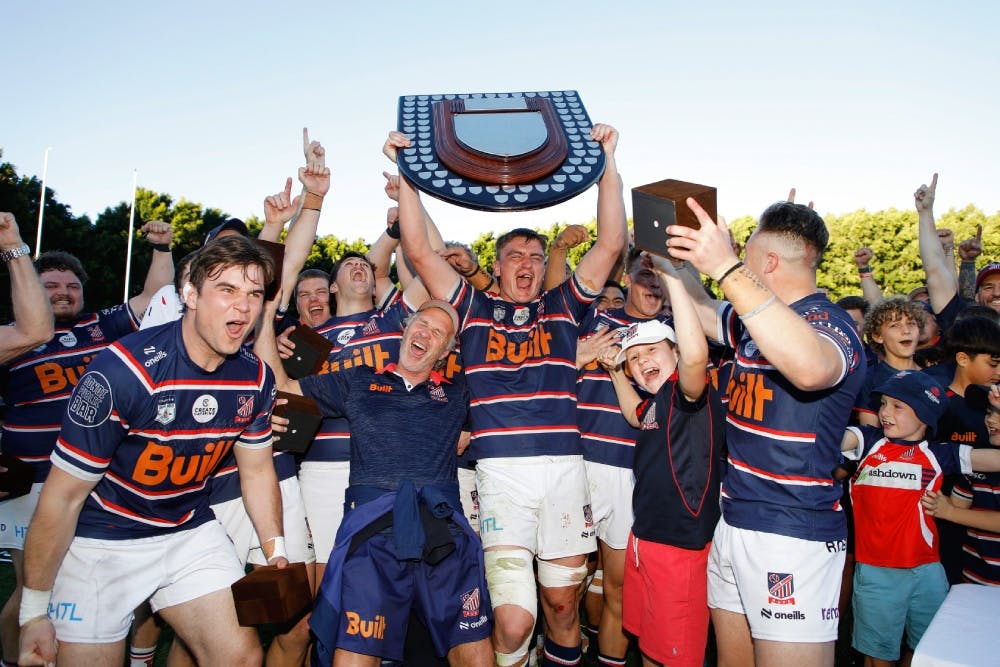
891 234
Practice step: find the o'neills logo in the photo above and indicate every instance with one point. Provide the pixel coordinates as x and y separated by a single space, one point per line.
892 474
374 629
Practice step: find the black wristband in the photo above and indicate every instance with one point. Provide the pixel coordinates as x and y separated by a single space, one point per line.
161 247
392 231
730 270
864 269
473 272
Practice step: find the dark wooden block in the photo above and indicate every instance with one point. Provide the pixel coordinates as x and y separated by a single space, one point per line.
18 478
656 206
270 595
277 253
305 420
311 350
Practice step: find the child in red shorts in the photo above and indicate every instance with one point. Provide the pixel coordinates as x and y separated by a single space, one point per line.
676 497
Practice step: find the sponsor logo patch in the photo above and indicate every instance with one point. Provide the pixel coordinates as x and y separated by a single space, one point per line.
90 404
205 408
166 411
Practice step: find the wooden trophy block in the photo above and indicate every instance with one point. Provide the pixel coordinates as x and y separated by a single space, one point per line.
18 478
305 420
656 206
270 595
277 253
311 350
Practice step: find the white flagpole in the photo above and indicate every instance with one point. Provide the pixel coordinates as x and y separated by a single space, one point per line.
41 204
131 235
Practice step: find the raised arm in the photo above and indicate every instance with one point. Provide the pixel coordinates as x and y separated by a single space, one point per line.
161 267
380 253
869 288
595 267
968 251
555 268
265 346
436 273
315 179
808 360
942 283
32 313
278 210
692 364
628 397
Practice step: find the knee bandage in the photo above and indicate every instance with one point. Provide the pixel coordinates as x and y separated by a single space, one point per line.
512 581
596 583
551 575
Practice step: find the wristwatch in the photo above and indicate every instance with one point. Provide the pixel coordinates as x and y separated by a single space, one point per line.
14 253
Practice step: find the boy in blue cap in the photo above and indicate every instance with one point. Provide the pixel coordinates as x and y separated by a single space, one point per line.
899 581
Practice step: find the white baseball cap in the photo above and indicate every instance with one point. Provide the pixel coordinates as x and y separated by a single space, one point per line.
644 333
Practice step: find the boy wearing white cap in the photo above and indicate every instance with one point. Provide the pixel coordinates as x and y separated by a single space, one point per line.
676 497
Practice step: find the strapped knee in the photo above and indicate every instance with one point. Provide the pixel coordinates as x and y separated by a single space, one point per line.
512 581
552 575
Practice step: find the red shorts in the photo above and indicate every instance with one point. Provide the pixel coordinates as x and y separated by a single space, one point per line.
665 601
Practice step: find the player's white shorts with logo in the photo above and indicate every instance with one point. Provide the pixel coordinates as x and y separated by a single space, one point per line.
788 588
323 484
540 503
101 582
298 542
611 501
15 515
470 496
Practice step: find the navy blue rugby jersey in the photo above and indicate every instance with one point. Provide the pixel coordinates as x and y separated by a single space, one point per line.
149 426
38 384
784 442
520 365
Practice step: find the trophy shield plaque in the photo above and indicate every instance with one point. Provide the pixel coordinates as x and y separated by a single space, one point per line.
499 151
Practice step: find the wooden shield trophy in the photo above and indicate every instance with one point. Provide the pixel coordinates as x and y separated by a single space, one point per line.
499 151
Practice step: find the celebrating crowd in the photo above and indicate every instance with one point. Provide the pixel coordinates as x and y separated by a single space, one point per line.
522 463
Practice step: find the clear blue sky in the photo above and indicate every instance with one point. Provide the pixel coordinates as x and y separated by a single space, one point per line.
854 103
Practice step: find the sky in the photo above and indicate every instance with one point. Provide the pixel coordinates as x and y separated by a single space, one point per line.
853 103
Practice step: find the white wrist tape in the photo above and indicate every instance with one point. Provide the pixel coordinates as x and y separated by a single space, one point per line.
33 604
279 548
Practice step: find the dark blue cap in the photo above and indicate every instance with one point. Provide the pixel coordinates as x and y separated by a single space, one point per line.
920 391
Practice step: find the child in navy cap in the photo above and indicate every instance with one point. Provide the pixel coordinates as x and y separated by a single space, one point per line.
899 582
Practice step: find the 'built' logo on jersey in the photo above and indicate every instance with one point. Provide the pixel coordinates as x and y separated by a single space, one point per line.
748 394
53 378
158 462
501 348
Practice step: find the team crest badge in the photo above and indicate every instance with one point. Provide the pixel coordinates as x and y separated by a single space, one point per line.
750 349
470 603
244 408
520 316
649 422
499 312
780 587
345 336
165 412
499 151
68 339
